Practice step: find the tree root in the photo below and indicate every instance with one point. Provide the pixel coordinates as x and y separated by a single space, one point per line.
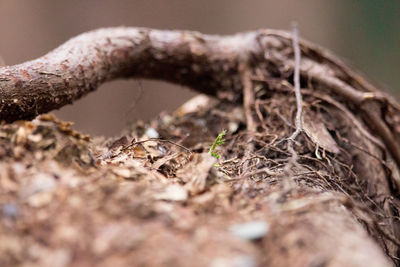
206 63
255 68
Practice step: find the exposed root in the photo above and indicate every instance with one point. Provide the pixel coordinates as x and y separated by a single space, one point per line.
350 129
296 78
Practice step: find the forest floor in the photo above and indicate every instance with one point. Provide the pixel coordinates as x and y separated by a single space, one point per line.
155 196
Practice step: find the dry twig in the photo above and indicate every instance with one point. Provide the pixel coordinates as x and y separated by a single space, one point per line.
296 78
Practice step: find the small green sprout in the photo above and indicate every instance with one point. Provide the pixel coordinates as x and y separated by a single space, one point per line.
217 142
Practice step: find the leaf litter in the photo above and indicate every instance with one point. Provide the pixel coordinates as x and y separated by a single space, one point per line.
71 200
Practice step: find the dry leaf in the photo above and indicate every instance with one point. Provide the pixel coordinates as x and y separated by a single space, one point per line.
195 173
317 132
173 192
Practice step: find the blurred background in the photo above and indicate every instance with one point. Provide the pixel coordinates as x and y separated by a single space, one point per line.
366 33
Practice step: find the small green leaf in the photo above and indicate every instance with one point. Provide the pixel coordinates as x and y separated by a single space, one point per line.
217 142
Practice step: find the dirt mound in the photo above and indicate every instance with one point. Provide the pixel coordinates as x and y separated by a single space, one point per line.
155 196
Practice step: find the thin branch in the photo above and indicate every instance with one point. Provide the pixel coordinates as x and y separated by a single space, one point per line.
296 78
135 101
134 143
248 97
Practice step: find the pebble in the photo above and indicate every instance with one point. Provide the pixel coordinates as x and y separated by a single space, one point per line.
151 133
9 210
250 230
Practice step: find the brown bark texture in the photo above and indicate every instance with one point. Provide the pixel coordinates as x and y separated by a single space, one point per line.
329 198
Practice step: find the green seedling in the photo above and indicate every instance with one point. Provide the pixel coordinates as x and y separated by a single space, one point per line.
217 142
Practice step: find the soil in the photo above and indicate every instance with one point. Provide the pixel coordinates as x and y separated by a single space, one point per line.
155 197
